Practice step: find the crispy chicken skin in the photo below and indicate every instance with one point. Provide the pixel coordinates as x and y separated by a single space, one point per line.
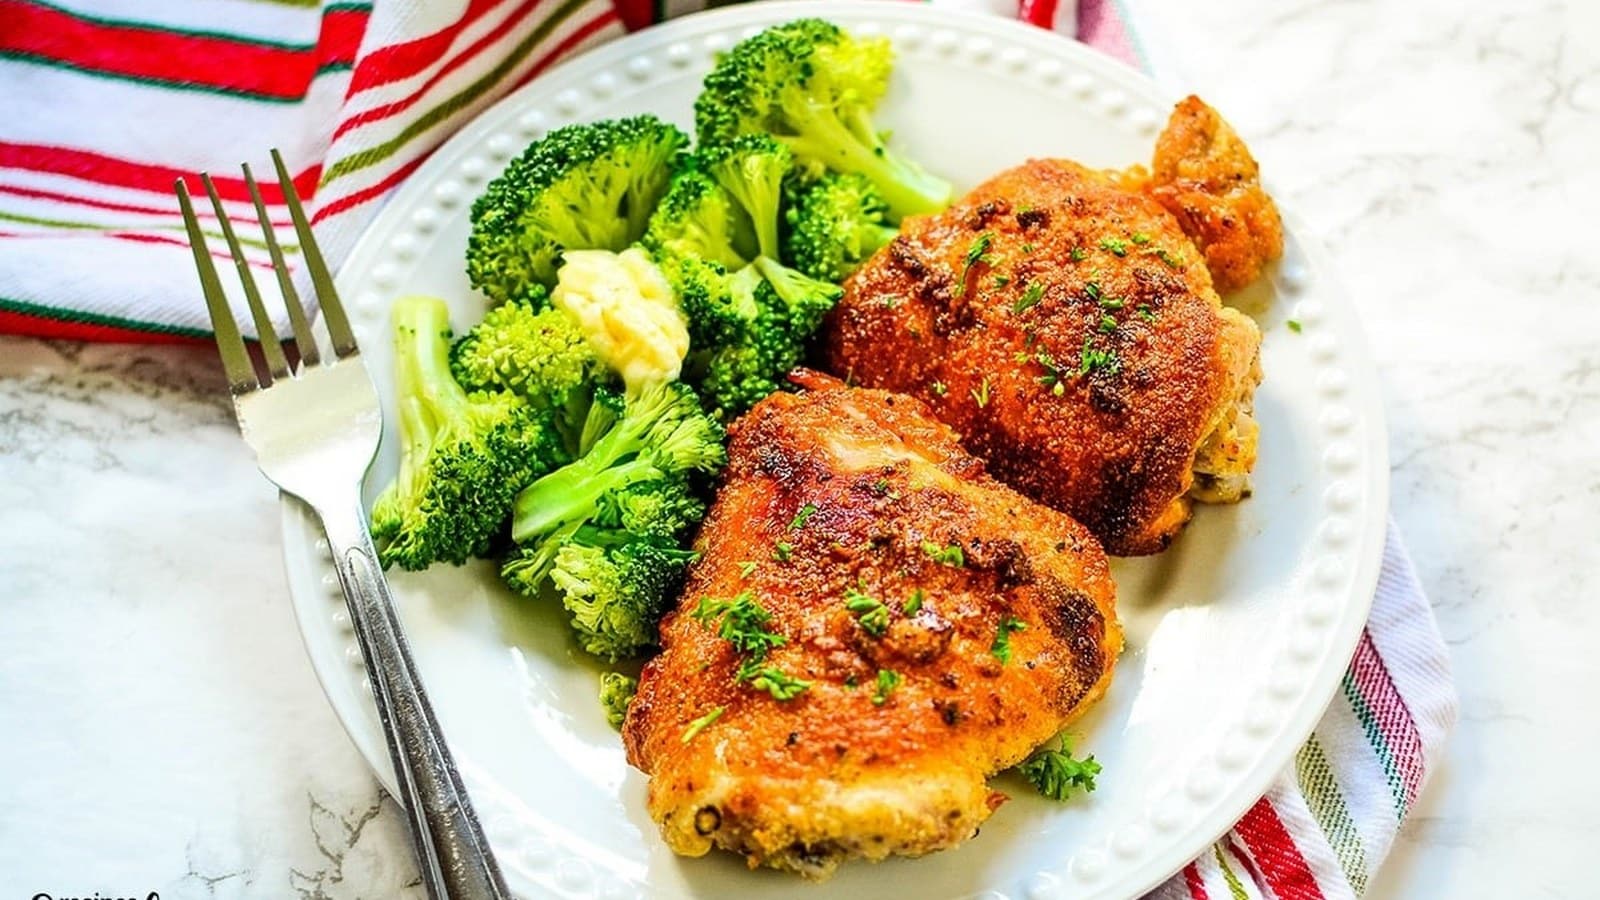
1205 176
805 783
1062 322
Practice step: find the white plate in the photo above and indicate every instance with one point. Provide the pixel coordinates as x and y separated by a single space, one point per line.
1237 636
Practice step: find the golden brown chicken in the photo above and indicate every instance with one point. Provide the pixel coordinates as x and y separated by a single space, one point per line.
1205 176
1063 322
875 627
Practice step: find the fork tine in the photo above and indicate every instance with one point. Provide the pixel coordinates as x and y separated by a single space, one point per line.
270 348
303 338
344 342
235 361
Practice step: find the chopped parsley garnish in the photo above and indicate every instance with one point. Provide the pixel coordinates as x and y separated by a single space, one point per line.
979 248
744 624
1091 289
1095 360
913 603
1027 248
700 724
799 520
782 551
1055 774
869 611
1172 260
977 253
1108 323
1117 246
939 388
1001 281
1112 302
780 684
888 680
746 567
1001 648
1294 325
850 681
1031 295
1078 254
1140 237
1146 313
980 394
1052 372
945 556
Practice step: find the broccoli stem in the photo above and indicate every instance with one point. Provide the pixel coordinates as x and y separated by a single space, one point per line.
764 211
906 187
644 191
416 438
792 285
760 198
570 493
429 400
422 366
527 571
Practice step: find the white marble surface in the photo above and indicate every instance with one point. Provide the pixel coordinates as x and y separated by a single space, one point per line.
162 730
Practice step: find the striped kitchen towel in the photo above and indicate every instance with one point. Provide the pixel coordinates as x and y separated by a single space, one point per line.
1331 817
107 102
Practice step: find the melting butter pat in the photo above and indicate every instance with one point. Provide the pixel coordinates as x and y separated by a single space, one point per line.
627 311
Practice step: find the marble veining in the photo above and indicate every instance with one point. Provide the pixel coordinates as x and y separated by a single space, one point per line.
164 732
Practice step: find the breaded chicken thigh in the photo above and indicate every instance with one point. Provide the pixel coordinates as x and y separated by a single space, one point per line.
1205 176
927 627
1063 321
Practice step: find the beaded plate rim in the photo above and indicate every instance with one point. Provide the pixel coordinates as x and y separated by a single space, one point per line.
1329 614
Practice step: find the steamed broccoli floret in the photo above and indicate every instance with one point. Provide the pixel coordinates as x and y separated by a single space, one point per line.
700 220
581 187
814 87
603 528
740 377
616 692
524 347
616 595
718 304
749 315
664 508
752 334
835 225
463 457
661 434
755 321
805 301
588 416
752 168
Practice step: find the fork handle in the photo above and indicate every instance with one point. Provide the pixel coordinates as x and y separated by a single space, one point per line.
451 851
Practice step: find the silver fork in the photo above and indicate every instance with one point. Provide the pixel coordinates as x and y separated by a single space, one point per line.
314 429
